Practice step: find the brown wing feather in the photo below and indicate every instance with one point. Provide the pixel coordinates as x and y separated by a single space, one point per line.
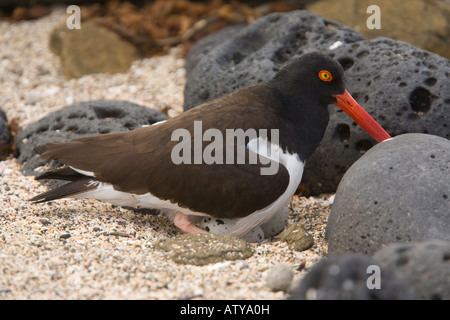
149 168
69 189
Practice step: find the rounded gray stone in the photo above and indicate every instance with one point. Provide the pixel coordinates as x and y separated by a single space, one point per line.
423 266
399 191
279 277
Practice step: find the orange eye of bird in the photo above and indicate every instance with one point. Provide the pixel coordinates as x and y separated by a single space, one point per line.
325 75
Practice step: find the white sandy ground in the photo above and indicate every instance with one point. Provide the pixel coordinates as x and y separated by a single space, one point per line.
37 258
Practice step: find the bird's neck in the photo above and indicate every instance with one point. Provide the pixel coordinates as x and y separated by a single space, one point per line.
304 120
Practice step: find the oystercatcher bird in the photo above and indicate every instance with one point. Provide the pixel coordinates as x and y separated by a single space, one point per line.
210 160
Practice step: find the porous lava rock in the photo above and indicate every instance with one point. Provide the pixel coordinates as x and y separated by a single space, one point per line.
255 53
423 266
80 120
5 134
350 277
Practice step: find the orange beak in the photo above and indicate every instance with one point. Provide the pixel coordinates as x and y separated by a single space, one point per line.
346 102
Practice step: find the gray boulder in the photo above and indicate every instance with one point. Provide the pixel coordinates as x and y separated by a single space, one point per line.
80 120
208 43
255 53
399 191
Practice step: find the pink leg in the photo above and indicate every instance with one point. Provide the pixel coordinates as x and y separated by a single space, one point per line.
182 221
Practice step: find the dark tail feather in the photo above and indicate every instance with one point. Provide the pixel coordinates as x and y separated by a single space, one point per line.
67 190
65 173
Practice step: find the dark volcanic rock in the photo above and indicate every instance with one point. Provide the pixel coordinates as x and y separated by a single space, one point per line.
398 191
404 88
349 278
79 120
255 53
5 135
206 44
423 266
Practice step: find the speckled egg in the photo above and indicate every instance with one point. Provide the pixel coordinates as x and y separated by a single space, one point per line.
257 234
224 226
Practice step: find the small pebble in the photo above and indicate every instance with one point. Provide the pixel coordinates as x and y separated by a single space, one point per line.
297 238
32 97
279 277
45 222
